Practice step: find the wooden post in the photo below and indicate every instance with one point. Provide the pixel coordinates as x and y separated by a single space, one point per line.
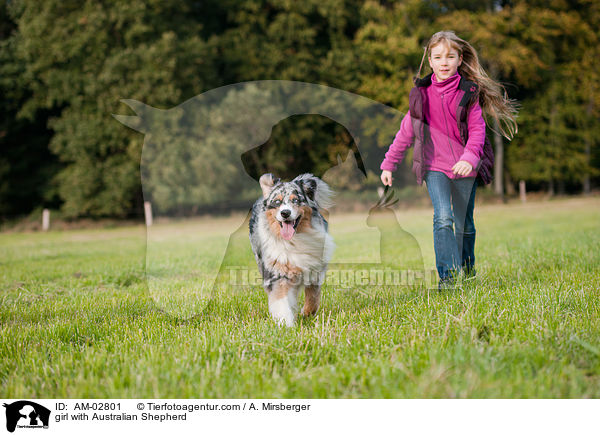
45 219
522 193
148 213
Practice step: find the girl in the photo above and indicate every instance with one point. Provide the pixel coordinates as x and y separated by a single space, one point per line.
448 130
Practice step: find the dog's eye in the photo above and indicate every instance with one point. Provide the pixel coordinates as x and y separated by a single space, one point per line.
295 201
277 202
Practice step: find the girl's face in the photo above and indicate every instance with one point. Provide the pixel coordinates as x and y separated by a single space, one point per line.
444 61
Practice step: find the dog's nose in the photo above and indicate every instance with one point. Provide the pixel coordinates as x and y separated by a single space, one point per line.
285 213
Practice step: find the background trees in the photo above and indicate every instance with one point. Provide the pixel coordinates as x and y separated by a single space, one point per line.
65 65
75 61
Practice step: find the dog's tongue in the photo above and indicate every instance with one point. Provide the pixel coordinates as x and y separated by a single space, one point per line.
287 230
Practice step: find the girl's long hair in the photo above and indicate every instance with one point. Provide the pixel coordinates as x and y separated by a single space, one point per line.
492 95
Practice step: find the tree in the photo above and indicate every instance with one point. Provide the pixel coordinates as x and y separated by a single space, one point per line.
79 61
24 170
560 116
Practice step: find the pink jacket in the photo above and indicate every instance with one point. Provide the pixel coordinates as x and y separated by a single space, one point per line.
447 148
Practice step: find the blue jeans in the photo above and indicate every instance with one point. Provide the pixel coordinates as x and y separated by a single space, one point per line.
453 201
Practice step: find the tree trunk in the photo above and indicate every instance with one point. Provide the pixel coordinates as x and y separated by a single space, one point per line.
561 187
498 161
498 148
587 188
509 185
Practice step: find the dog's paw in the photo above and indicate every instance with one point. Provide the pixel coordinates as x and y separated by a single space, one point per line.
282 312
308 311
288 321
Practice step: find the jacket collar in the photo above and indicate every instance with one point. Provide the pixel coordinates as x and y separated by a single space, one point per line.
449 84
445 86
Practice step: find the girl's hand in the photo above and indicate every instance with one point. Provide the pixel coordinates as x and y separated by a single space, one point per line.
462 168
386 178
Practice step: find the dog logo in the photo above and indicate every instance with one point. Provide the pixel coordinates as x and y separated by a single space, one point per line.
26 414
205 156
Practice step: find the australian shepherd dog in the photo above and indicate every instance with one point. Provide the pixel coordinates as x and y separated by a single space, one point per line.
290 241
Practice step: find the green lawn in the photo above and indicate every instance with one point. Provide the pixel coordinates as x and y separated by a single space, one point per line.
79 320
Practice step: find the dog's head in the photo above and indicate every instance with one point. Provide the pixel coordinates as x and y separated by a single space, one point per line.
289 205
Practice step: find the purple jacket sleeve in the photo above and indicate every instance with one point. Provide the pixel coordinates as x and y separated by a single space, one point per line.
474 147
402 141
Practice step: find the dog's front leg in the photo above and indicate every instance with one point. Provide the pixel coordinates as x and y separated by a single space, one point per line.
283 299
312 297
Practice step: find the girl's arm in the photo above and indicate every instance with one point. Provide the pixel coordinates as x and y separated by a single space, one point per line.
402 141
474 147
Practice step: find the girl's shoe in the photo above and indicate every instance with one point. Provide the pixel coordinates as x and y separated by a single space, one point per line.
446 284
470 272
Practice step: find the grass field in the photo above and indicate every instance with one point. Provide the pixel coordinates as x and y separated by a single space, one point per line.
79 320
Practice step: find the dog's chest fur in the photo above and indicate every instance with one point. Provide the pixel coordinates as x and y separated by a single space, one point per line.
309 250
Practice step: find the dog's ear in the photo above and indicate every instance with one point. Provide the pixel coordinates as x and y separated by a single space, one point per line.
267 182
309 186
315 189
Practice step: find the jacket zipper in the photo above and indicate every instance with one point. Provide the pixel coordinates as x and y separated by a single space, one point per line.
448 132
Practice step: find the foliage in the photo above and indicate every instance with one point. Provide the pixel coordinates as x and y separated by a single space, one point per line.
80 61
65 65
